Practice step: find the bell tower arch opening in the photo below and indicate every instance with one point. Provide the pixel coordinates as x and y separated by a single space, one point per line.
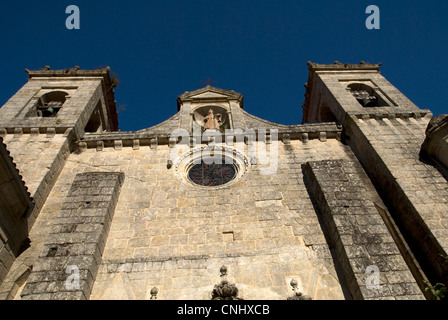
366 95
49 104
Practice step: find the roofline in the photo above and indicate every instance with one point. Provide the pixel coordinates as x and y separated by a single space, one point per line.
343 66
228 95
75 71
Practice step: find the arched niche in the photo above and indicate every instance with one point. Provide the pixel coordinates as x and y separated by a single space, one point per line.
49 104
211 117
366 95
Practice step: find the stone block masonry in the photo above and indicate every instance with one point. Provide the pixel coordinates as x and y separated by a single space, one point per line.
175 236
47 155
416 192
15 206
346 200
388 140
68 264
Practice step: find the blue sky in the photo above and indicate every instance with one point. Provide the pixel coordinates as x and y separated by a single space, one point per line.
160 49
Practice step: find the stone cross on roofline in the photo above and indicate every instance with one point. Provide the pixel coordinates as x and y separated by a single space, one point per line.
208 81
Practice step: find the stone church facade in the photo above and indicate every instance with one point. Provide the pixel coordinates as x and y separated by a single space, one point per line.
217 203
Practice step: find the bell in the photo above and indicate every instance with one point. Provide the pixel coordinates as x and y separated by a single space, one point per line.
49 112
368 102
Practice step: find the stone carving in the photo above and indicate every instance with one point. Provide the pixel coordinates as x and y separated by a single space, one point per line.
225 290
154 291
223 271
297 295
212 121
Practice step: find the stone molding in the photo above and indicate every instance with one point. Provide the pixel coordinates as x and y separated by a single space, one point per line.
137 140
363 66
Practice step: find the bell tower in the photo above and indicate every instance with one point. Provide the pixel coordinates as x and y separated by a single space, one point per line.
42 121
386 131
57 100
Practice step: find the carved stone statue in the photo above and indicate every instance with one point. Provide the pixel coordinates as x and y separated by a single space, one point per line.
212 121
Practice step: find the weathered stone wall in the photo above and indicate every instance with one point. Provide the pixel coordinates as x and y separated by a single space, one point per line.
348 203
15 205
387 141
416 190
40 145
68 263
267 229
84 96
436 141
175 237
39 159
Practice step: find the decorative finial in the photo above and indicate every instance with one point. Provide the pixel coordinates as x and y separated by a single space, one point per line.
297 295
294 284
223 271
225 291
154 291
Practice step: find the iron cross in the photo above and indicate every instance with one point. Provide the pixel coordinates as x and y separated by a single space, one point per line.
208 81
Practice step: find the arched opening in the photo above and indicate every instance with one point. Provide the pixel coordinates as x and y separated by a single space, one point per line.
96 121
50 103
325 114
366 95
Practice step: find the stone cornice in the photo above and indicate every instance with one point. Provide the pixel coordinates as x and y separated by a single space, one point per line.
362 66
386 112
137 139
70 72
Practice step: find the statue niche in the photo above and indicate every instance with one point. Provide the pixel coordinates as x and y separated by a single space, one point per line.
211 118
212 121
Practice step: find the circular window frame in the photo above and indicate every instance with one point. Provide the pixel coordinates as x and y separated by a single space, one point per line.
218 181
196 155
